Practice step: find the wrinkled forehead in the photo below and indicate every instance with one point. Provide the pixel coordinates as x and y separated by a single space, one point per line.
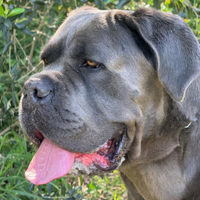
83 24
79 21
81 30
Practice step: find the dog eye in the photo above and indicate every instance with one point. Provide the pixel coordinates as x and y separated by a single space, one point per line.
45 61
91 64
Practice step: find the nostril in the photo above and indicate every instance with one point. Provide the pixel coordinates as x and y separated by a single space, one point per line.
37 90
35 93
40 93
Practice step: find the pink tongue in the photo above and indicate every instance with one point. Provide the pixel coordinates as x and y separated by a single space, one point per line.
50 162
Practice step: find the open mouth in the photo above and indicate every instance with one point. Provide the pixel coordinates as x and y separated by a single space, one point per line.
107 157
51 161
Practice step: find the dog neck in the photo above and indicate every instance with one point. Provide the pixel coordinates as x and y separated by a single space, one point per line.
166 147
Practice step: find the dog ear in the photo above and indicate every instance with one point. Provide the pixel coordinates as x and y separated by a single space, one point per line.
169 43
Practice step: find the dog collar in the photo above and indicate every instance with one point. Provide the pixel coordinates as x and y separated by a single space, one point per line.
188 125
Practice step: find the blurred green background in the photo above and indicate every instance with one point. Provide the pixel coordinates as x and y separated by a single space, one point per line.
25 27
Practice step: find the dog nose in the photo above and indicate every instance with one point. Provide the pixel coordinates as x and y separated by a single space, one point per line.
37 90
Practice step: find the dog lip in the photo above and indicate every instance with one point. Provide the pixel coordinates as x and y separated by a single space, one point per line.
116 134
106 158
38 136
119 132
114 153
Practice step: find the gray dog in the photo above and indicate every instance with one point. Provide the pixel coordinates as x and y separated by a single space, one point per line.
119 89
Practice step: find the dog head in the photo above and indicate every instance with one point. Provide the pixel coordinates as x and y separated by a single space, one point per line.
102 90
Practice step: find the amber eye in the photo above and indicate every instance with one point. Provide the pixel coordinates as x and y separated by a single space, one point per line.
45 61
92 64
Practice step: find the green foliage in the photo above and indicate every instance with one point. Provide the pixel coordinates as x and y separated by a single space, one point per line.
25 27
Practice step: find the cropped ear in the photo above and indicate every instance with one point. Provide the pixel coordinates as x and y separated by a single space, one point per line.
169 43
